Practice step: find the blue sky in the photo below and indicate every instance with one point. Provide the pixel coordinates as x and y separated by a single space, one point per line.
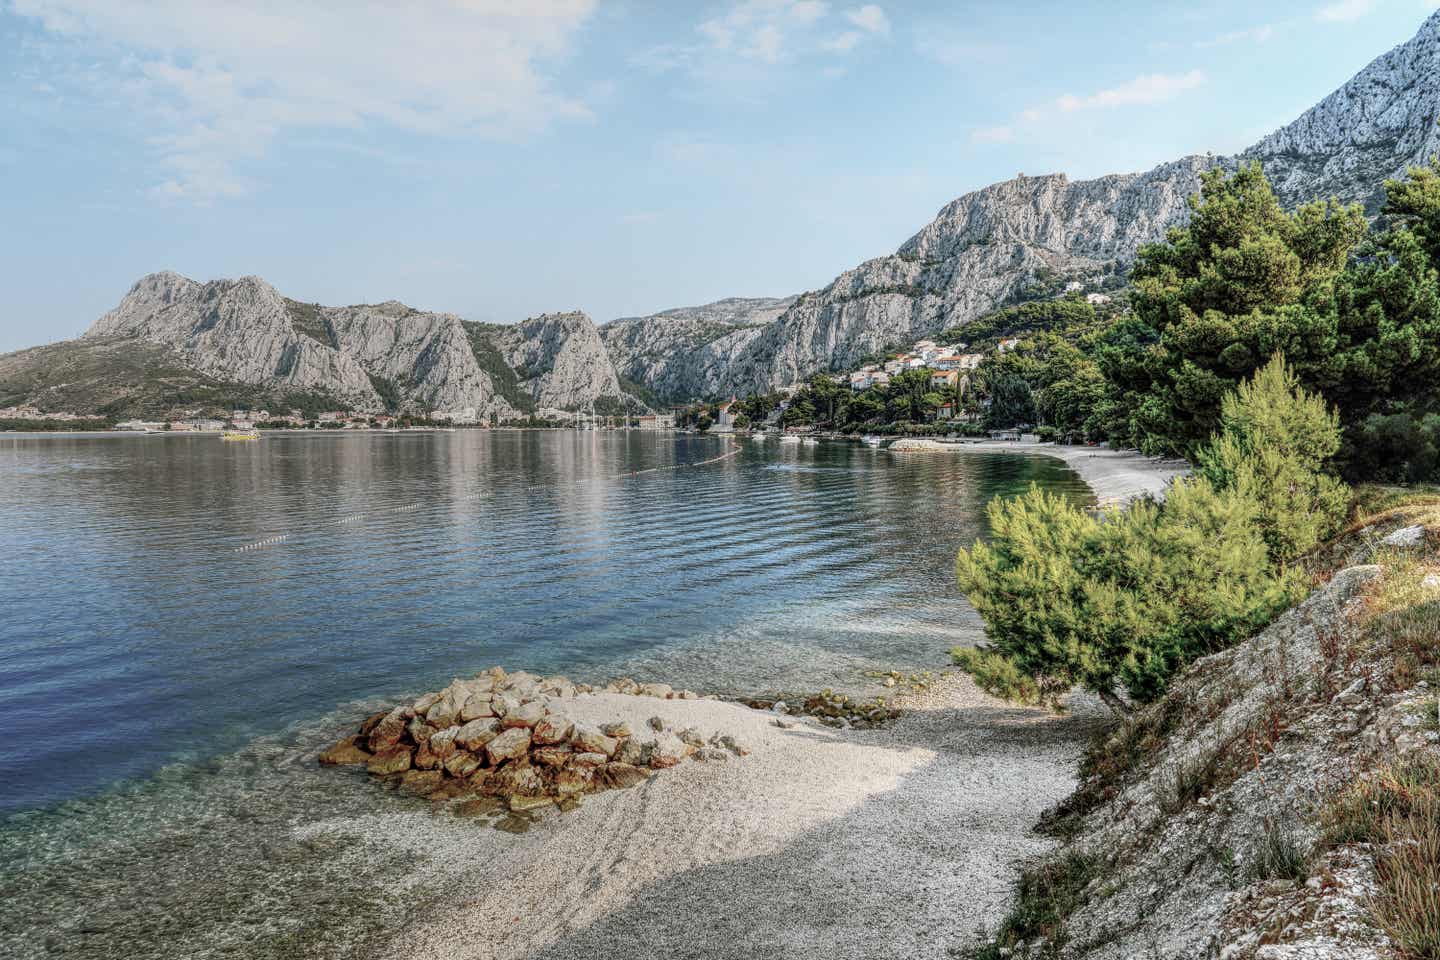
501 159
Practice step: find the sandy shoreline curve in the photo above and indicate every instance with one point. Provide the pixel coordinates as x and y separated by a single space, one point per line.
1115 476
821 843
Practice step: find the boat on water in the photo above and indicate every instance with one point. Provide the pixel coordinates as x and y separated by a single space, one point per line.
810 442
240 435
873 441
788 438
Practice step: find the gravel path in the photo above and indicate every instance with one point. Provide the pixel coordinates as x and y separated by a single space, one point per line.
821 843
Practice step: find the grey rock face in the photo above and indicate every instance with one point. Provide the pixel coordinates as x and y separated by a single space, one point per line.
245 331
1377 124
985 246
560 360
690 351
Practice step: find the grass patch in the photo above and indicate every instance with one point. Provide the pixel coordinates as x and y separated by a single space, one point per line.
1044 898
1397 810
1280 856
1401 617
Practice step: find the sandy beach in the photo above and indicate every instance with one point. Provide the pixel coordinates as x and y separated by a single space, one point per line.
823 843
899 841
1116 476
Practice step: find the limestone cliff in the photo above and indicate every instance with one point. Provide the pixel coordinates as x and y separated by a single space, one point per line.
689 352
987 246
369 356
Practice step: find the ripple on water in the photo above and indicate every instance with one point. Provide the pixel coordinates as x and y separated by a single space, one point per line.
181 814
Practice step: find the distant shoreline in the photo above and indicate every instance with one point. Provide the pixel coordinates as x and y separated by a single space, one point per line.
1115 476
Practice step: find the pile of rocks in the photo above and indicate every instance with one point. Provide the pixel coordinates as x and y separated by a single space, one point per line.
508 736
833 709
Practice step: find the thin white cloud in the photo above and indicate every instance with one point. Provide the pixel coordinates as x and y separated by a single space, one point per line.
218 82
1141 91
871 19
766 32
1147 89
844 43
1259 34
1343 11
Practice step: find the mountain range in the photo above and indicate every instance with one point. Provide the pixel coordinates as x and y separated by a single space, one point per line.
173 340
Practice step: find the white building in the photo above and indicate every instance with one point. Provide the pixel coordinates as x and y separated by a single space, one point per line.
1097 298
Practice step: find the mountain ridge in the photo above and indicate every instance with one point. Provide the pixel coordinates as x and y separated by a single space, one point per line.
981 251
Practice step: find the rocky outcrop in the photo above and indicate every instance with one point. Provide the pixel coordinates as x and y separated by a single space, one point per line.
368 356
689 352
1229 818
510 738
988 246
1377 124
560 361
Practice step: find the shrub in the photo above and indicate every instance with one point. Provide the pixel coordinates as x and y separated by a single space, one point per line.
1274 441
1123 598
1127 598
998 676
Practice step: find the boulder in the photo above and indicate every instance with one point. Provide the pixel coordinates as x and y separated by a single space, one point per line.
425 758
668 751
617 729
442 743
553 728
371 722
503 703
589 760
633 751
420 731
525 715
516 779
388 731
574 780
559 687
522 684
623 685
347 751
692 738
423 704
393 759
588 739
520 804
618 776
420 783
511 743
714 754
462 764
444 712
656 723
476 706
477 733
661 690
554 755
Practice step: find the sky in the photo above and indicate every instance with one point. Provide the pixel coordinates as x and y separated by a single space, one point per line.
500 159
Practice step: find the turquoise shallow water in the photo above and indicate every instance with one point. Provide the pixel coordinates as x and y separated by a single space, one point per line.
186 620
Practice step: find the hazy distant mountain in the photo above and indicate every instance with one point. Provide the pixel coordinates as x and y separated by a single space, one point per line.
369 357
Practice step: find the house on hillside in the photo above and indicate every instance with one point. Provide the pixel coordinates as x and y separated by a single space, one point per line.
725 419
944 379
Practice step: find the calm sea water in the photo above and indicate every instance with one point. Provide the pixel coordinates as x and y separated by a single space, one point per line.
184 621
